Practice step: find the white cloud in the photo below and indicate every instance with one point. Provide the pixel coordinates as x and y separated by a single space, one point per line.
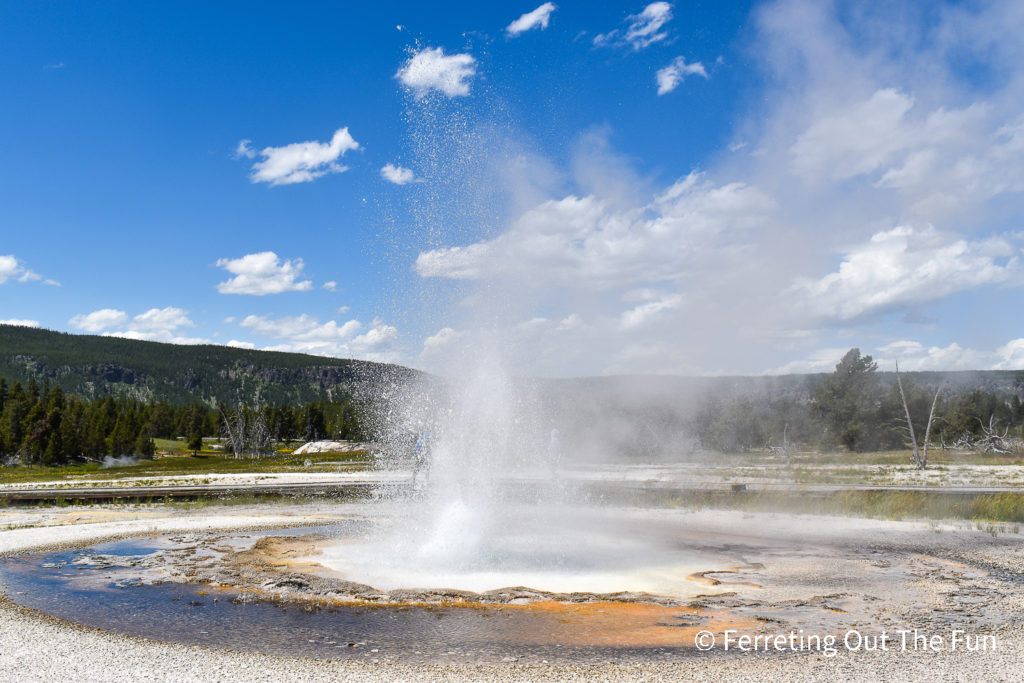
431 69
235 344
160 321
642 30
444 337
244 150
866 102
1011 355
100 320
587 244
907 267
914 356
299 162
156 324
855 140
20 322
262 273
302 328
645 312
538 18
12 268
397 174
821 360
862 123
306 334
669 78
331 286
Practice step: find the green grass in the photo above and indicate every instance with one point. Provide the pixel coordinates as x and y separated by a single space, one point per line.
172 446
936 458
186 464
201 502
893 505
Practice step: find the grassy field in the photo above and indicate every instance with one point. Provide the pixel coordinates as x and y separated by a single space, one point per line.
895 505
183 463
936 458
893 468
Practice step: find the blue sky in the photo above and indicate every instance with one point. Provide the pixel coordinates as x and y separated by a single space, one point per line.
688 188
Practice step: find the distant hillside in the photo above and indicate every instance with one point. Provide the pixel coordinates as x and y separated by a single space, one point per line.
94 366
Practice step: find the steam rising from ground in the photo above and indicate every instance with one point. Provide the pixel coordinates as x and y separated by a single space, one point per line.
823 221
485 503
120 461
877 180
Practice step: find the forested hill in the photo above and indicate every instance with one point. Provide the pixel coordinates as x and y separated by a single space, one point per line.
94 366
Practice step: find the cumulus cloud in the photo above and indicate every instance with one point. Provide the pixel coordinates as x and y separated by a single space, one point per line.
538 18
907 267
156 324
331 286
820 360
306 334
161 321
444 336
20 322
642 30
912 355
868 105
855 140
299 162
263 273
431 69
1010 355
12 268
669 78
397 174
100 320
915 356
873 194
643 313
629 269
235 344
589 244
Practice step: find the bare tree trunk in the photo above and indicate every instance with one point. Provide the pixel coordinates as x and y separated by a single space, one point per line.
785 443
910 424
259 434
236 430
928 428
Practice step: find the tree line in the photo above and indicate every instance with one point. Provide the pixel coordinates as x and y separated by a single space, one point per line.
41 424
93 366
855 408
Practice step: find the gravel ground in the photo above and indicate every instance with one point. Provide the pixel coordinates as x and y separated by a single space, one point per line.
34 647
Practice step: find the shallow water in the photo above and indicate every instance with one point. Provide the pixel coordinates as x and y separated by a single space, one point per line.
99 586
555 548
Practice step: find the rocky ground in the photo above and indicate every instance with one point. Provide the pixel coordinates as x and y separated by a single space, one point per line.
940 578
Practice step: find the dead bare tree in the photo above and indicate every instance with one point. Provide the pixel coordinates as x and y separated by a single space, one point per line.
991 441
920 455
234 425
247 431
784 448
259 437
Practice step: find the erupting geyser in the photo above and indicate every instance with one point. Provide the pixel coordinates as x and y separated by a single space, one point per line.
491 500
